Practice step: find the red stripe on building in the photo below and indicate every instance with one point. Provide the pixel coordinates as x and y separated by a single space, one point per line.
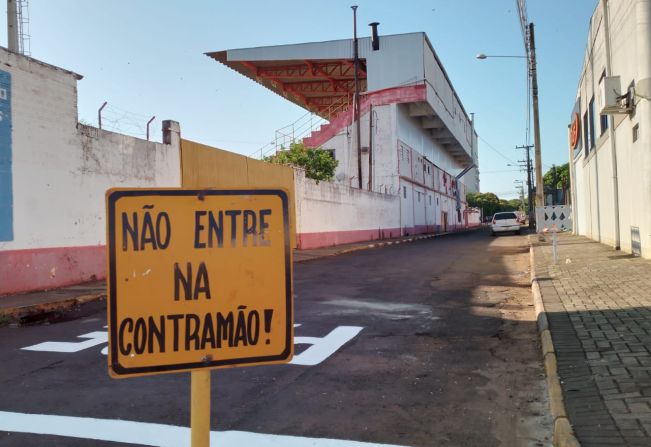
330 238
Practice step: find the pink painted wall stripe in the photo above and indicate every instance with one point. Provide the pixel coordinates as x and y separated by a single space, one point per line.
46 268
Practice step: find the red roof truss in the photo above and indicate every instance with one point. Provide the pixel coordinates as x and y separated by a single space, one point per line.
325 87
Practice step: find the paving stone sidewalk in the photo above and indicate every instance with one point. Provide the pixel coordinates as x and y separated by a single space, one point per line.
598 304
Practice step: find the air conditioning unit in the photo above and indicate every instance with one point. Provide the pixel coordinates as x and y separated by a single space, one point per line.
613 100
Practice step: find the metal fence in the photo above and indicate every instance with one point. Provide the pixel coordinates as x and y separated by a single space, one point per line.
553 218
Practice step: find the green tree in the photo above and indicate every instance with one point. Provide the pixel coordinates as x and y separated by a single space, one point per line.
558 177
490 204
318 164
516 204
506 205
562 177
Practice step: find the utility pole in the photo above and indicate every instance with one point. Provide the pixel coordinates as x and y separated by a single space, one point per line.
520 186
554 182
358 136
540 200
531 213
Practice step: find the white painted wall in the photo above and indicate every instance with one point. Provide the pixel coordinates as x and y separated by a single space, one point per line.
385 179
594 207
326 208
61 171
402 153
64 184
443 99
410 131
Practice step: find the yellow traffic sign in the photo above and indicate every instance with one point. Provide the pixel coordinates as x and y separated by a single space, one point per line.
198 279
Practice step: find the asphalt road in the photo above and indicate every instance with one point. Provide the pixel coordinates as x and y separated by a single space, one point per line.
434 344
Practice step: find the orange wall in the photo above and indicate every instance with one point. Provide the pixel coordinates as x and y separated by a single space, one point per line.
208 167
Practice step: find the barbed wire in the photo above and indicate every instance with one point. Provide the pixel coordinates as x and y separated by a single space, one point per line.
119 120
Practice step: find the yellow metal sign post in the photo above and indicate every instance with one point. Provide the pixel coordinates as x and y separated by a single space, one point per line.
198 279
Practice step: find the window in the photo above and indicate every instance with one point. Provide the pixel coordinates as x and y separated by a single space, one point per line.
588 127
603 120
586 139
404 192
430 200
592 122
636 132
419 196
332 153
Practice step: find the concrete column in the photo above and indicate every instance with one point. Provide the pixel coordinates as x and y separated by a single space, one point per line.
643 111
172 136
172 133
643 35
611 130
12 26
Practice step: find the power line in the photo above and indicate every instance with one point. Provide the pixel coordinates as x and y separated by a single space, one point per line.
499 171
498 152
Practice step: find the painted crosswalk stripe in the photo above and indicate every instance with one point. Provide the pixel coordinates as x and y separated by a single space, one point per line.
151 434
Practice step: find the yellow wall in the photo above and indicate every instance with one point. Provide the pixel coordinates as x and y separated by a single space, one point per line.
208 167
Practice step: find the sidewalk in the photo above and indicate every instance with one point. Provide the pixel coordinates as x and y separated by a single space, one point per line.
598 307
26 306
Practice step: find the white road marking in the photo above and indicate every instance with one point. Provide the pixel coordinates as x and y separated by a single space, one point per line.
321 349
96 338
160 435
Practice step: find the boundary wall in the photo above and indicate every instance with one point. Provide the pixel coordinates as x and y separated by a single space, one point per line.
209 167
329 213
53 208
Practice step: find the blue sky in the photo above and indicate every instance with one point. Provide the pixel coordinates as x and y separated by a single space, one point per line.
145 58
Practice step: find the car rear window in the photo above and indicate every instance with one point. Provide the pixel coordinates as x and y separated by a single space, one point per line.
504 216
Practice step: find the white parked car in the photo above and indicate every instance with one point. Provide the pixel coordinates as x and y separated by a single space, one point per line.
503 222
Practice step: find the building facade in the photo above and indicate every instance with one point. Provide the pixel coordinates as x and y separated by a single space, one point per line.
610 130
415 136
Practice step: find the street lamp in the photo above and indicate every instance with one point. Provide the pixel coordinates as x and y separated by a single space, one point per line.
485 56
520 184
531 60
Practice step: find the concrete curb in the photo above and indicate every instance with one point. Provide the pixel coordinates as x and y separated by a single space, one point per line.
379 244
563 433
16 314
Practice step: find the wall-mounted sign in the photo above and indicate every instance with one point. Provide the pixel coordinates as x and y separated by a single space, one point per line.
575 130
198 279
6 189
